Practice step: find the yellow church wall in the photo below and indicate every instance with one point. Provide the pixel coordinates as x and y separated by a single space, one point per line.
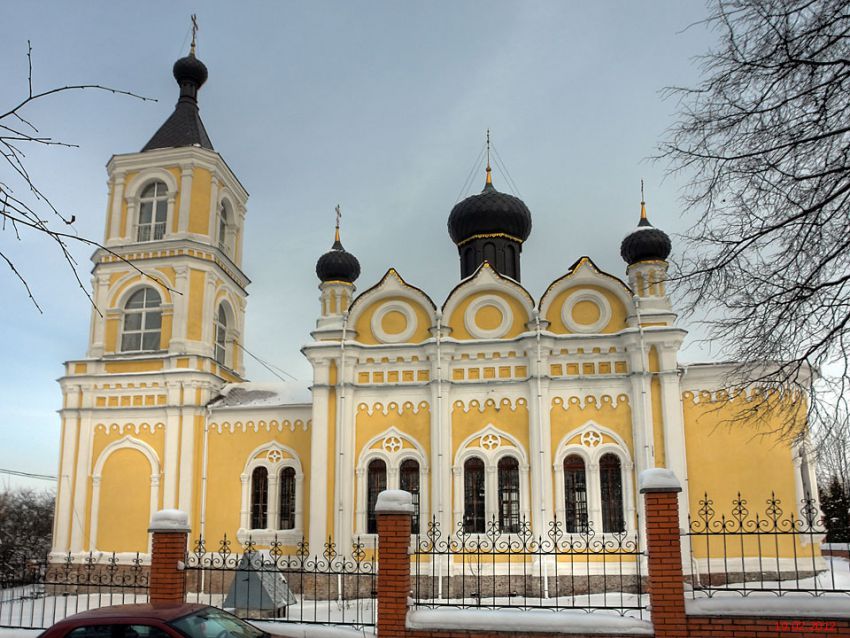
585 312
485 320
228 452
124 508
145 432
567 415
727 455
195 314
394 322
199 214
119 367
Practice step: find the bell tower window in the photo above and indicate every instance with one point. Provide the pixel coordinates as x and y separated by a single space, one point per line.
221 335
142 322
153 212
223 226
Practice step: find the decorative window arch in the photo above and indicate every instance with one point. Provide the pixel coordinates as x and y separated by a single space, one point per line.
491 472
405 468
150 198
272 495
141 326
598 457
132 443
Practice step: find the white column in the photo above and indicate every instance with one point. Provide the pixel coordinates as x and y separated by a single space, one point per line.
81 484
318 459
171 459
180 303
65 489
115 210
185 198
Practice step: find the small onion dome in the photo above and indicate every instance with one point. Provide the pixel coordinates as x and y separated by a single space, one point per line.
645 243
489 212
190 69
338 265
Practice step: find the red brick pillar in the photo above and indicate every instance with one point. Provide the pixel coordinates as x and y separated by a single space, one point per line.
394 510
660 489
170 529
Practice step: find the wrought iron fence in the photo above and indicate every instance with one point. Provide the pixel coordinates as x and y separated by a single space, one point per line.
284 582
560 570
746 551
34 594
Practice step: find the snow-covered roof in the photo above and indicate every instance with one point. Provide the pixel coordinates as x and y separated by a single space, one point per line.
252 394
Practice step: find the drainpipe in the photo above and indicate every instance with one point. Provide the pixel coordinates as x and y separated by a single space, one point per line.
542 461
439 474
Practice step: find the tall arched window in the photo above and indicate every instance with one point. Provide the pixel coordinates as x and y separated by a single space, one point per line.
377 483
286 508
221 335
142 321
223 221
575 494
409 482
153 211
508 471
474 495
611 491
510 261
259 497
490 254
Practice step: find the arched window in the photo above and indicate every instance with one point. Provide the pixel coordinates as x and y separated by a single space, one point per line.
473 496
259 497
611 492
153 210
142 321
490 254
223 221
575 494
508 471
286 509
221 335
409 482
377 483
510 261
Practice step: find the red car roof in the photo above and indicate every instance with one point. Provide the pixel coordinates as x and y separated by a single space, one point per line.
125 613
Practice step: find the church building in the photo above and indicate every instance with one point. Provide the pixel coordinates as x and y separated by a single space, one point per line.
491 407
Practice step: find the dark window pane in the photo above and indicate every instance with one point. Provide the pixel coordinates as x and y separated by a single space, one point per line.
287 498
611 487
575 494
131 342
153 320
133 321
473 496
145 212
376 483
508 470
136 300
150 341
259 497
409 482
161 210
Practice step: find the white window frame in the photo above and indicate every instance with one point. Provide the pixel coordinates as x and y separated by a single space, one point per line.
267 535
591 456
155 200
491 458
144 312
222 306
393 461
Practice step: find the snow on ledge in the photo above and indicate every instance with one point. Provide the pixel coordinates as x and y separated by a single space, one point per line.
836 547
520 620
169 520
394 502
299 630
787 605
658 479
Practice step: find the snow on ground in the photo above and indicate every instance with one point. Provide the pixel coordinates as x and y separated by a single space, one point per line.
527 620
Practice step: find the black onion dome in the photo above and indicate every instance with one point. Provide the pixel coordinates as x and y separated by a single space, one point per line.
645 243
338 265
190 69
489 212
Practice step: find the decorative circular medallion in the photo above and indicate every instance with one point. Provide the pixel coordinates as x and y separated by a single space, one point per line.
394 322
586 311
490 441
591 438
488 317
274 456
392 444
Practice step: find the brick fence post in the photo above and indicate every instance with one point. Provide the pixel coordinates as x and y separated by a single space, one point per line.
660 489
170 529
394 510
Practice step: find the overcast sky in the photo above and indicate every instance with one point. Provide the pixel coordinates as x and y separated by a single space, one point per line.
378 106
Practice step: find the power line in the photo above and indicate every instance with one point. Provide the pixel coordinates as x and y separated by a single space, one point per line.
268 366
42 477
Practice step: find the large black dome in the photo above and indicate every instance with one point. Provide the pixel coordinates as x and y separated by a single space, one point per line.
338 265
190 69
488 213
645 243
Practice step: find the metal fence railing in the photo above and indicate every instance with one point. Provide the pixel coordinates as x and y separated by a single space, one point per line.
585 570
283 582
743 551
36 593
